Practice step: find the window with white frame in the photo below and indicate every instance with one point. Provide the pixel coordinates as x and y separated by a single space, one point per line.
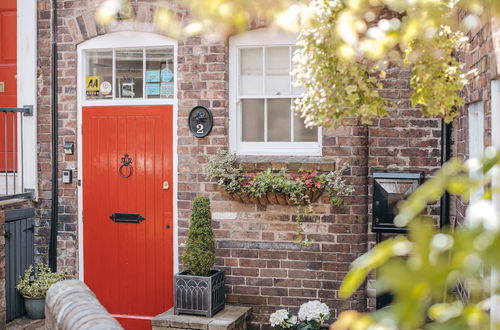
129 73
262 92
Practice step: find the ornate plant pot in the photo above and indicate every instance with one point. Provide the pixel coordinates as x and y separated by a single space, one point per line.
199 295
35 307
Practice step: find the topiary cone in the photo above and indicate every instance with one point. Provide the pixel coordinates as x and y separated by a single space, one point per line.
199 255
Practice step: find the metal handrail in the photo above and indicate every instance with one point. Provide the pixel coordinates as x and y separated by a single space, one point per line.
27 110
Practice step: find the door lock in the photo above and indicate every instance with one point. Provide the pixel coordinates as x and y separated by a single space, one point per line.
165 185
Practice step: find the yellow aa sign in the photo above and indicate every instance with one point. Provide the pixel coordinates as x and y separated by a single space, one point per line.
92 83
92 86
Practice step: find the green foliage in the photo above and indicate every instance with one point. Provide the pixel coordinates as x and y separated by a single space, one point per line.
437 75
335 88
266 182
223 167
199 255
424 270
229 175
37 280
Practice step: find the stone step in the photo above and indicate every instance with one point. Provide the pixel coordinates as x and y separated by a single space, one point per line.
230 318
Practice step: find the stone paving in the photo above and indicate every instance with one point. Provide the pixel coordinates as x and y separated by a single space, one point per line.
25 323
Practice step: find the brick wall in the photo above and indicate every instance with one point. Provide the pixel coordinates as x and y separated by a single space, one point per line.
256 244
481 56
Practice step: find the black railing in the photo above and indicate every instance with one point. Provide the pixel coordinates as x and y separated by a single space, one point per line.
12 152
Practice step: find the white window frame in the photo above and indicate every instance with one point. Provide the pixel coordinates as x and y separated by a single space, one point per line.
265 37
116 40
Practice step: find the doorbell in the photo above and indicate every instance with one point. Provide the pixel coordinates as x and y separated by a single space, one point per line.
67 176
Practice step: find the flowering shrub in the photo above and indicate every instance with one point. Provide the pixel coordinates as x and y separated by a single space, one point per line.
37 280
310 317
283 319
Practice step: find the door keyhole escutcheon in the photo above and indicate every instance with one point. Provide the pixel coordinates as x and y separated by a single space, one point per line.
165 185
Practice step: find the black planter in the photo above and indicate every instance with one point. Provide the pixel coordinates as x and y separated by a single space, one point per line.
199 295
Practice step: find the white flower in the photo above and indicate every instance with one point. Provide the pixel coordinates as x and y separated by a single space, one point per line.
314 311
482 213
282 318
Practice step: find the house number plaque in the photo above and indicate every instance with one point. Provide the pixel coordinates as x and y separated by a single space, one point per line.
201 121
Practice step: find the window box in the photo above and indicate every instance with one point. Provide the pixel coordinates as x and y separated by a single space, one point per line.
273 198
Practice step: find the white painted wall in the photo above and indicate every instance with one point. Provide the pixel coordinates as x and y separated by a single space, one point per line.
27 89
495 141
476 137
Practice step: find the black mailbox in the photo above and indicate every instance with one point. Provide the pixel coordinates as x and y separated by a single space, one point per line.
388 190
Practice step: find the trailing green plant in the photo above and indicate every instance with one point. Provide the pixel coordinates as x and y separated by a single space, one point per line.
37 280
265 182
199 255
299 188
224 168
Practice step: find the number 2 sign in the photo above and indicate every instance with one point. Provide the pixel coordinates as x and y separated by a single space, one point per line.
200 121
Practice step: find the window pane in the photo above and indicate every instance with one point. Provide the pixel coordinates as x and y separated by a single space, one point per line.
277 71
251 71
278 120
296 90
253 120
98 75
129 73
160 73
301 132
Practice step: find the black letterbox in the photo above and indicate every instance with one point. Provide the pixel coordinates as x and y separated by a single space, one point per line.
388 190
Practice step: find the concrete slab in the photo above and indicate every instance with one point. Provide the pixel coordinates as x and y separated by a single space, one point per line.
230 318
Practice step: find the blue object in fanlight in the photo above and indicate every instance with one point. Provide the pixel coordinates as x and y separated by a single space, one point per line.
166 75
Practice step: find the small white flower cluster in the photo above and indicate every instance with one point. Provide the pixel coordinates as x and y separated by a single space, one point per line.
282 318
314 311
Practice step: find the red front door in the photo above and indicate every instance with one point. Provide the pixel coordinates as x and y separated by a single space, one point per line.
8 84
129 266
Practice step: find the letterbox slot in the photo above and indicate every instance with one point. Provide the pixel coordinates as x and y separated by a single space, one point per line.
127 217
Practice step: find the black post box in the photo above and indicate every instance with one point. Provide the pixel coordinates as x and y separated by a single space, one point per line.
388 190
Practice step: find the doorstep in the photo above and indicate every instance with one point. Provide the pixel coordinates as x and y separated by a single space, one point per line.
25 323
230 318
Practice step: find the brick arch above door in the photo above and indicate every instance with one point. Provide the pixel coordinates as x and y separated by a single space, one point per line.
84 26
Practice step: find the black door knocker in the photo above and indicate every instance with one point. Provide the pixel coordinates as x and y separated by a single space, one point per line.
126 167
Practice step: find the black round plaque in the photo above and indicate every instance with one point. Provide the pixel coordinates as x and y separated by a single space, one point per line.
200 121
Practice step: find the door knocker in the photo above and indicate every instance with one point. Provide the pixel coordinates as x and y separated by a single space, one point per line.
126 167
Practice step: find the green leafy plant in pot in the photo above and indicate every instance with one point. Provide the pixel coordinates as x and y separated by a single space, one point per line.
33 286
199 289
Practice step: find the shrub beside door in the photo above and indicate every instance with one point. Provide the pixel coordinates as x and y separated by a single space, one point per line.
199 289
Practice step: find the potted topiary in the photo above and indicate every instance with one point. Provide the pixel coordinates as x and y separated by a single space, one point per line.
34 285
199 289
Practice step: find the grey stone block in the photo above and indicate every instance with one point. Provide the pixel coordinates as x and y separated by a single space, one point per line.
230 318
